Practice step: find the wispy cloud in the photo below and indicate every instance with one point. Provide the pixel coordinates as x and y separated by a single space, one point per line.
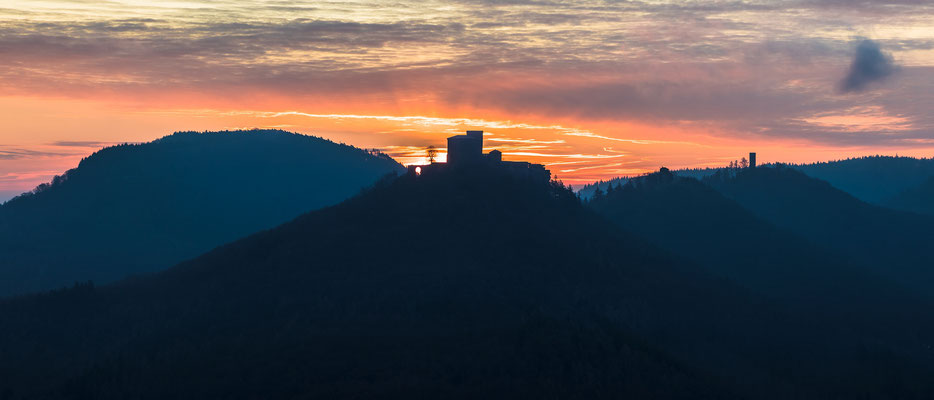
81 143
29 177
7 153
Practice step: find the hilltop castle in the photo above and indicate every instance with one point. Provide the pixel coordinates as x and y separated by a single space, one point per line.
466 151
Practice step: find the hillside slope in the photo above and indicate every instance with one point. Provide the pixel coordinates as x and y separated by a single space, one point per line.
446 286
133 209
695 222
919 199
872 179
890 243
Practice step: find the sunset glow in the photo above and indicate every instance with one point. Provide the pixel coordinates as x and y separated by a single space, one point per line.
593 89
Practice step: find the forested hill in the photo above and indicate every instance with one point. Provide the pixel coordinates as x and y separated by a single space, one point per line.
429 287
892 243
919 199
138 208
873 179
693 221
452 285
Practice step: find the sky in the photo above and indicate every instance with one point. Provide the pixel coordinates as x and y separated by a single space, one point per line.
593 89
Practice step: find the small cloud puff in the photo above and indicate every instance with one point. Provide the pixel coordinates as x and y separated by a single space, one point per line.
870 65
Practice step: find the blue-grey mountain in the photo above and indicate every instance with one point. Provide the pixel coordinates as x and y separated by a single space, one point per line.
138 208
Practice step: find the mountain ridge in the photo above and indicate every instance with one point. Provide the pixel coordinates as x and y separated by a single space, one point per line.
873 179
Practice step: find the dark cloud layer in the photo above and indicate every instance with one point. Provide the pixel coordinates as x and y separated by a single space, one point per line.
869 65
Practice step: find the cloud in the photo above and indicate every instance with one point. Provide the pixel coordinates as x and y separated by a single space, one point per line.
750 68
16 154
867 3
651 100
869 65
81 143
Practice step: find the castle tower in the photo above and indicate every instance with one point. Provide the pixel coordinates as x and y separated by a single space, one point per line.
752 160
465 149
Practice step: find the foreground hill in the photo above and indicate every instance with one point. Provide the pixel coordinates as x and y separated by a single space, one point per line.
891 243
695 222
449 286
138 208
919 199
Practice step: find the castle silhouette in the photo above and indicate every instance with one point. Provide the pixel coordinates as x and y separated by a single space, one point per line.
466 151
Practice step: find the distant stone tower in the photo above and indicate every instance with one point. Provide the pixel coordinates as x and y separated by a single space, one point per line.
752 160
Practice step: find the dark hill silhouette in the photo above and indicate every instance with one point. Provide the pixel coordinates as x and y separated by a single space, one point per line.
890 243
456 285
138 208
873 179
692 220
919 199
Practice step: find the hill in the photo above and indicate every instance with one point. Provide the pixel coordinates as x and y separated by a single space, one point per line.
457 285
890 243
873 179
138 208
919 199
695 222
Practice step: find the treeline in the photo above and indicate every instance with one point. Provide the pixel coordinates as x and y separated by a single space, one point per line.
874 179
